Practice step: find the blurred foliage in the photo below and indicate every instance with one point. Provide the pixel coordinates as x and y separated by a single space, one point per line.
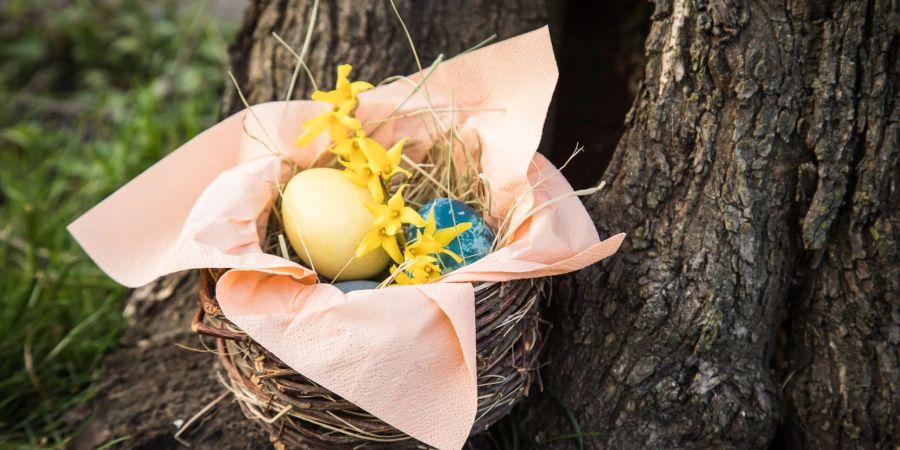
91 94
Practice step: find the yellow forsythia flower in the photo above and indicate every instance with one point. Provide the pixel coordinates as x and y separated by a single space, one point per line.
350 149
379 165
345 91
421 270
339 121
430 240
359 172
386 226
379 237
384 162
394 214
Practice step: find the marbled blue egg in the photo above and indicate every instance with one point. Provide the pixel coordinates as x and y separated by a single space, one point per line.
471 245
355 285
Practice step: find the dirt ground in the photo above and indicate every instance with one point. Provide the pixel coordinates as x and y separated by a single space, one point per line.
160 375
157 378
154 379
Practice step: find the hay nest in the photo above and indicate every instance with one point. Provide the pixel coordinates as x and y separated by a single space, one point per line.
298 413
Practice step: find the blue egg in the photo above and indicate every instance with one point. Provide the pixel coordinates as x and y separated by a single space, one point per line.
355 285
471 245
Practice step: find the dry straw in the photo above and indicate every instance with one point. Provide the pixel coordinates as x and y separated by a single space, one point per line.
297 412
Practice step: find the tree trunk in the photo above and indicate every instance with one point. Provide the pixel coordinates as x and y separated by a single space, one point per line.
756 300
366 35
757 179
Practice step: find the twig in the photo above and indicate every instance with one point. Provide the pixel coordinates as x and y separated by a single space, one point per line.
197 416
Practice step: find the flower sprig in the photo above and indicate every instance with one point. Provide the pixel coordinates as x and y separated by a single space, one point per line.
368 164
339 121
421 254
388 226
420 270
430 240
345 91
375 167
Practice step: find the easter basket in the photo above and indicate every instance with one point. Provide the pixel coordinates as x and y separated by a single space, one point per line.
298 413
453 224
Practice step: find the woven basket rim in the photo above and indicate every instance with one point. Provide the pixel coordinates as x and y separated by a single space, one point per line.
298 413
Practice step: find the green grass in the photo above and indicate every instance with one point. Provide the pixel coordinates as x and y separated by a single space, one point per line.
91 94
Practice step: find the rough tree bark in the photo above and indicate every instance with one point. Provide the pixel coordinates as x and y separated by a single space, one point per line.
367 35
757 298
757 177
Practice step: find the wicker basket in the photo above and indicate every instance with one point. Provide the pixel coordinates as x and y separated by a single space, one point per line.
298 413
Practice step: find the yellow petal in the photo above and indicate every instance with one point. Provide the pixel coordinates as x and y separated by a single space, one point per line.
435 271
446 235
380 218
396 152
343 72
375 153
350 122
374 185
369 243
420 261
402 278
412 250
419 277
426 272
390 246
307 136
344 148
396 201
346 107
338 132
359 86
391 226
413 246
354 175
312 128
304 138
452 255
334 97
409 215
430 225
320 121
357 167
423 246
356 156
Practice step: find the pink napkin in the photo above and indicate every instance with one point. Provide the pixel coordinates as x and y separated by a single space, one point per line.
406 354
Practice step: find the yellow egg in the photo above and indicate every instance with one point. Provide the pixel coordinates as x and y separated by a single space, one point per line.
328 212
